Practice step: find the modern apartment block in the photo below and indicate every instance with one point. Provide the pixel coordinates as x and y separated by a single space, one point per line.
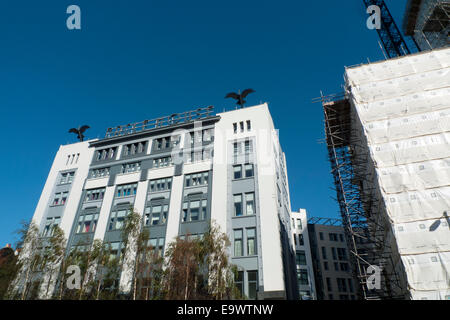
428 22
388 143
303 261
333 272
180 173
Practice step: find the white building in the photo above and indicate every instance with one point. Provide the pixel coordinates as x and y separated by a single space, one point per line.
399 133
181 172
303 261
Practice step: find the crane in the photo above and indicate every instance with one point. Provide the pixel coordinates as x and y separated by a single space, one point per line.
390 35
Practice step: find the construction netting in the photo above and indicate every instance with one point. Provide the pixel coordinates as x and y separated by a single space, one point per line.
404 108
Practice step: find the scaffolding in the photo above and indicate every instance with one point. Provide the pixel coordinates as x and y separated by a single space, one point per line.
358 200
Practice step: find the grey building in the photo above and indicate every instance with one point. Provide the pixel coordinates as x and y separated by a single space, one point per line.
180 173
333 272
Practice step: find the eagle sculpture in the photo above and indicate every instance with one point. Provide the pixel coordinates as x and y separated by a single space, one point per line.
79 132
239 97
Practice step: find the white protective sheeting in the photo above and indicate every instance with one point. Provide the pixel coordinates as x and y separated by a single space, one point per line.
404 107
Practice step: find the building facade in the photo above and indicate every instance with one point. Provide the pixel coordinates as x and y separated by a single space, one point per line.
333 271
181 173
303 261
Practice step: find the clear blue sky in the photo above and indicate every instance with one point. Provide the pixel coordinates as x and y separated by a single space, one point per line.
142 59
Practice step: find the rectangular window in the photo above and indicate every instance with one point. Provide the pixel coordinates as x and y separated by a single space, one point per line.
252 284
95 194
131 167
329 288
341 237
300 258
320 235
303 277
162 162
300 239
324 253
87 223
236 148
342 285
251 241
342 254
196 179
194 210
50 225
299 224
350 284
126 190
333 251
99 173
163 184
238 205
250 203
237 171
249 170
235 127
57 199
67 177
248 146
239 282
238 243
241 125
325 265
249 125
117 219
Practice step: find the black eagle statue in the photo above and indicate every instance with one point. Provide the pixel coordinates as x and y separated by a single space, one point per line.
239 97
79 132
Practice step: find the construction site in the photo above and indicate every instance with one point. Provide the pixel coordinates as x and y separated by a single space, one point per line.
388 142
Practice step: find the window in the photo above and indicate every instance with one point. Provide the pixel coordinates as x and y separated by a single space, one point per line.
344 267
325 265
302 276
237 205
341 237
350 285
117 219
329 288
156 245
194 210
156 214
324 253
320 235
241 125
87 223
249 125
60 198
235 127
95 194
67 177
50 225
162 162
126 190
237 171
106 154
336 266
300 239
250 203
131 167
249 170
333 237
251 242
196 179
342 285
207 135
300 258
239 282
333 251
238 243
99 173
162 184
342 254
236 148
116 250
252 284
248 146
165 143
134 148
299 224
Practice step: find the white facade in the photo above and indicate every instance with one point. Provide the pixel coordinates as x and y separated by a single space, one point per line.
94 200
302 249
403 113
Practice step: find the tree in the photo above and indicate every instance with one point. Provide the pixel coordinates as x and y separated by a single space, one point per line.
8 269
